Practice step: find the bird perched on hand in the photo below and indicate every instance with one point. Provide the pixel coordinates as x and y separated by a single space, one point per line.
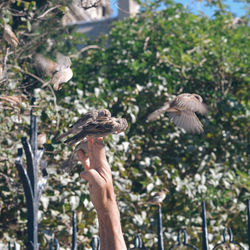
181 111
101 127
60 70
9 36
83 120
158 197
72 160
96 123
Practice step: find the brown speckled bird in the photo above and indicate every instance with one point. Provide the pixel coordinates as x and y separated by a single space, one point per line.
158 197
181 111
10 37
72 160
101 127
83 120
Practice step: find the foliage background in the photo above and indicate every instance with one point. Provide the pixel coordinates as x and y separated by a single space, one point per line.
140 64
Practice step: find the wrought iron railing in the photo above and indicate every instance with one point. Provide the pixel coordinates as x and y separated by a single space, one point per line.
33 187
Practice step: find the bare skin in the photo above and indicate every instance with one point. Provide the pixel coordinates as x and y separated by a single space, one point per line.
98 174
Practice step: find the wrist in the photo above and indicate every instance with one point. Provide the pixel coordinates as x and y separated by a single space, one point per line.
107 201
109 209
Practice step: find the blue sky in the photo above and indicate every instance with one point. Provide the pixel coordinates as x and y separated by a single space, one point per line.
195 6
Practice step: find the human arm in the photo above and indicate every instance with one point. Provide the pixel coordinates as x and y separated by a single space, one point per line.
98 174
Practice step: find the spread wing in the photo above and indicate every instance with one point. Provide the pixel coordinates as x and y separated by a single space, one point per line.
153 116
189 102
63 62
61 77
187 120
71 162
68 165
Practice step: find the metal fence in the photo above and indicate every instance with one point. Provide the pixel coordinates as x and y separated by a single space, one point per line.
33 188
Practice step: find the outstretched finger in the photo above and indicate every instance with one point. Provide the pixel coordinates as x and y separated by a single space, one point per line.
84 159
90 149
99 155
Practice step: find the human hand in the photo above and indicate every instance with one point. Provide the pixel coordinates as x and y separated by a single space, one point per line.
98 174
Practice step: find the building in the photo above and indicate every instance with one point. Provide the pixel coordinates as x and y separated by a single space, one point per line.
97 20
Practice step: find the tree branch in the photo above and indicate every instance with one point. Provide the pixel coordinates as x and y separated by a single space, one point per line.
30 74
47 84
47 11
84 49
86 5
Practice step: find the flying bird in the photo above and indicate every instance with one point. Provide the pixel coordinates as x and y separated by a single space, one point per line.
59 71
83 120
72 160
9 36
101 127
158 197
181 111
63 71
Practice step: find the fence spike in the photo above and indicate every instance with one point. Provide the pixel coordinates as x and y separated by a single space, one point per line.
227 231
179 236
159 229
33 129
74 229
95 243
248 216
204 227
137 241
184 243
31 169
52 243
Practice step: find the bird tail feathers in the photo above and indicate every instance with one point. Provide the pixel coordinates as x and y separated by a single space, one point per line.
72 140
59 137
